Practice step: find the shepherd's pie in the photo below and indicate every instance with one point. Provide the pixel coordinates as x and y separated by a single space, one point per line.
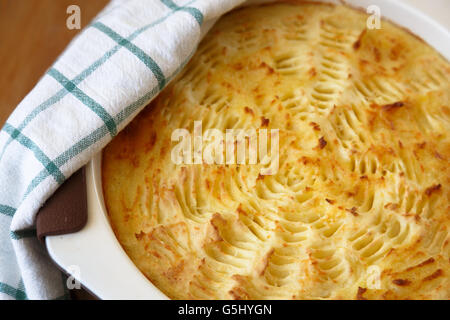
359 207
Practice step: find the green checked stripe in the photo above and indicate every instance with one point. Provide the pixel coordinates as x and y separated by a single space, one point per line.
38 153
12 292
7 210
99 133
49 102
18 235
20 294
85 99
138 52
88 71
193 11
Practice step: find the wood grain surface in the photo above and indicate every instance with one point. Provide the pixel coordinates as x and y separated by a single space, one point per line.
32 35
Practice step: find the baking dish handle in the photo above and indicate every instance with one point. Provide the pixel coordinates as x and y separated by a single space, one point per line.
66 210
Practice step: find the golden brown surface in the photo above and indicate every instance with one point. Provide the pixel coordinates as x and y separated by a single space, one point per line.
359 208
33 33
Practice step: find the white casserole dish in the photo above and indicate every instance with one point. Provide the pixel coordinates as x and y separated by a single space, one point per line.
104 267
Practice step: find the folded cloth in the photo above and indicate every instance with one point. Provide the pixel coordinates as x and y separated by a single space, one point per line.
103 79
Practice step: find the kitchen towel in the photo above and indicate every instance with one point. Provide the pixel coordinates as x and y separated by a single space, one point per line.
103 79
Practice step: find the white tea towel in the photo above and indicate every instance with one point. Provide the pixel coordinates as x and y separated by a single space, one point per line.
103 79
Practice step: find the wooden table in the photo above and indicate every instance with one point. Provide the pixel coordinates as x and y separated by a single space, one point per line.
32 35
